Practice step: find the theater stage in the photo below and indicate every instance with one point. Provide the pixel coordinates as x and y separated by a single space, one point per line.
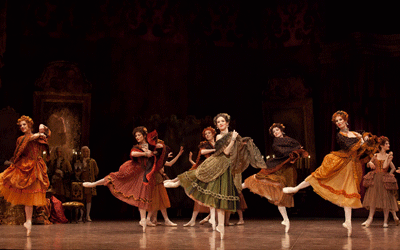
305 233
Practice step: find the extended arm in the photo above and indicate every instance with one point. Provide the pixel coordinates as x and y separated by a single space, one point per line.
172 162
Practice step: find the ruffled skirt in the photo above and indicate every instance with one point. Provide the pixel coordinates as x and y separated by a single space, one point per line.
378 196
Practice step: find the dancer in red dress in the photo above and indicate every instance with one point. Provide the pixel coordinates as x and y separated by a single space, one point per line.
135 180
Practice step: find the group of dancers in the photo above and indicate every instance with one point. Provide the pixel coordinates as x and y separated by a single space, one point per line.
214 181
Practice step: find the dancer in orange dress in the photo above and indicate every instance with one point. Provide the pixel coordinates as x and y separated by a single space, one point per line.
135 180
25 181
338 178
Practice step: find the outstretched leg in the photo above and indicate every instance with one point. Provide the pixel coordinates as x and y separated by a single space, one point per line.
370 217
291 190
93 184
28 223
347 222
285 217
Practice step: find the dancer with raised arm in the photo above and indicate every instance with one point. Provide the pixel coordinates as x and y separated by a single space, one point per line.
135 180
212 183
338 178
381 185
25 181
280 172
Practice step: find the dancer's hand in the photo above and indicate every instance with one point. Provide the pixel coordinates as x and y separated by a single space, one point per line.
234 135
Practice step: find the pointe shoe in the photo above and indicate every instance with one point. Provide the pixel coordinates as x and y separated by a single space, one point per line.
385 225
88 184
204 221
287 225
28 226
221 230
212 222
170 224
150 223
143 224
347 225
190 224
241 222
289 190
366 223
171 184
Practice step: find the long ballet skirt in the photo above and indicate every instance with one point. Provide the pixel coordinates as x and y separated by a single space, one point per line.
135 181
25 182
212 183
382 193
280 173
160 195
338 178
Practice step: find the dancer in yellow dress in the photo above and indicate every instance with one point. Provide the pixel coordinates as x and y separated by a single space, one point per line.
338 178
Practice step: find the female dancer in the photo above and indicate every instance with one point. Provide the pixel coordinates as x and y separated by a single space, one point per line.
381 185
206 149
280 172
213 182
338 178
160 196
25 182
135 180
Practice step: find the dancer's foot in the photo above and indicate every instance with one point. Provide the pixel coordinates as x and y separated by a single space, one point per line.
385 225
221 230
241 222
88 219
347 224
171 184
243 186
367 223
150 224
290 190
88 184
169 223
190 224
286 223
204 220
212 222
229 224
397 221
28 226
143 223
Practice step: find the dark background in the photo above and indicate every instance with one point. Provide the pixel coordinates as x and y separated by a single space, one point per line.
189 60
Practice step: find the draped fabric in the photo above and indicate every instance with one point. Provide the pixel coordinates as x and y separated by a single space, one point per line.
25 182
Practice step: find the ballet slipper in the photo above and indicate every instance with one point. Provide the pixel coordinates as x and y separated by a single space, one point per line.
190 224
143 223
367 223
212 222
150 223
347 224
170 224
289 190
204 220
286 223
221 230
88 184
171 184
28 226
241 222
385 225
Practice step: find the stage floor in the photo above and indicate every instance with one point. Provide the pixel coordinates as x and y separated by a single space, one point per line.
305 233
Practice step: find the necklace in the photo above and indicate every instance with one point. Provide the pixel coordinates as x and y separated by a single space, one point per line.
345 130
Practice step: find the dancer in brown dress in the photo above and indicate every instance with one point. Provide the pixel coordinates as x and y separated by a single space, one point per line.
381 185
280 172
